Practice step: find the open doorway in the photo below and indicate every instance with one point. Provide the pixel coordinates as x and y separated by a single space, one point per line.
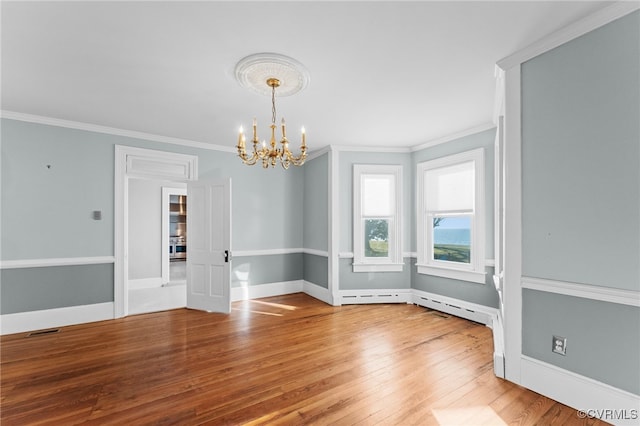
157 245
174 236
140 175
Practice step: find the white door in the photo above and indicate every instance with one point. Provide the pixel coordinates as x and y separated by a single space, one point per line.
208 245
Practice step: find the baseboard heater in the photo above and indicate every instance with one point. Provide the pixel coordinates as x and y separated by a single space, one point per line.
369 296
373 298
456 310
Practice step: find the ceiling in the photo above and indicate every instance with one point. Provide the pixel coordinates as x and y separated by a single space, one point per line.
383 74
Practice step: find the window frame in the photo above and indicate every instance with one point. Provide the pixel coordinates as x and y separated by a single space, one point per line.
393 262
426 264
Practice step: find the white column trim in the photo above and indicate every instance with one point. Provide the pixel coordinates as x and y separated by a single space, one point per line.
333 205
512 291
120 239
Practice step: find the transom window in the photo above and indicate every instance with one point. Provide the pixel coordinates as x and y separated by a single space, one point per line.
451 216
376 227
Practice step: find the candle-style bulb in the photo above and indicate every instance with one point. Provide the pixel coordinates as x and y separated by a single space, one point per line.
240 137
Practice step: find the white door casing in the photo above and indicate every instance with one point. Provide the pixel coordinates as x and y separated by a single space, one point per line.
145 164
209 245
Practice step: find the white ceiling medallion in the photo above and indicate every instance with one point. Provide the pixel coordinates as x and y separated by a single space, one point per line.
254 70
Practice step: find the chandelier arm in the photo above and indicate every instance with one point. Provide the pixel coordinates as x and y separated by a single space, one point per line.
250 161
299 161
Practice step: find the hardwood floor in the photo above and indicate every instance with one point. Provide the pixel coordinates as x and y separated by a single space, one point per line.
284 360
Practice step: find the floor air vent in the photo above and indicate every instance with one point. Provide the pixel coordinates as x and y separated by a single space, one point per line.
43 332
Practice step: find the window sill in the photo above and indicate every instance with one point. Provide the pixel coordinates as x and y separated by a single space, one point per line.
456 274
378 267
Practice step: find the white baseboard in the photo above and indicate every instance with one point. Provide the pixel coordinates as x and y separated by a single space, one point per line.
594 398
158 298
58 317
317 292
145 283
393 295
498 344
266 290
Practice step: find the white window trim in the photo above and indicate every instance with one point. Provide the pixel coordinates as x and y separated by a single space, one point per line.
394 262
475 271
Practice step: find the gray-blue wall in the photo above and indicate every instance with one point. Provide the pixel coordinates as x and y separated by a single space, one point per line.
61 175
348 279
482 294
54 177
316 220
581 200
316 203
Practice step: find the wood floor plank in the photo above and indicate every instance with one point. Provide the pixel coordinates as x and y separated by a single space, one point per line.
283 360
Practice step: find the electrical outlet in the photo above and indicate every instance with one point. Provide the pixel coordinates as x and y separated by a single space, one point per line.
559 345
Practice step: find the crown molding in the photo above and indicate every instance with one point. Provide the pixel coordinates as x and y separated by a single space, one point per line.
452 137
49 121
345 148
318 153
570 32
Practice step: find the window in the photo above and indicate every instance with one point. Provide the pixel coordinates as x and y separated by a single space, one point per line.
451 216
376 224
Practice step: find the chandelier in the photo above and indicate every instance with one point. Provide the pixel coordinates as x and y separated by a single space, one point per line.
271 154
289 76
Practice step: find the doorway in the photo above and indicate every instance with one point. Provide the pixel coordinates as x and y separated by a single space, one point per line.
144 172
140 174
174 236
